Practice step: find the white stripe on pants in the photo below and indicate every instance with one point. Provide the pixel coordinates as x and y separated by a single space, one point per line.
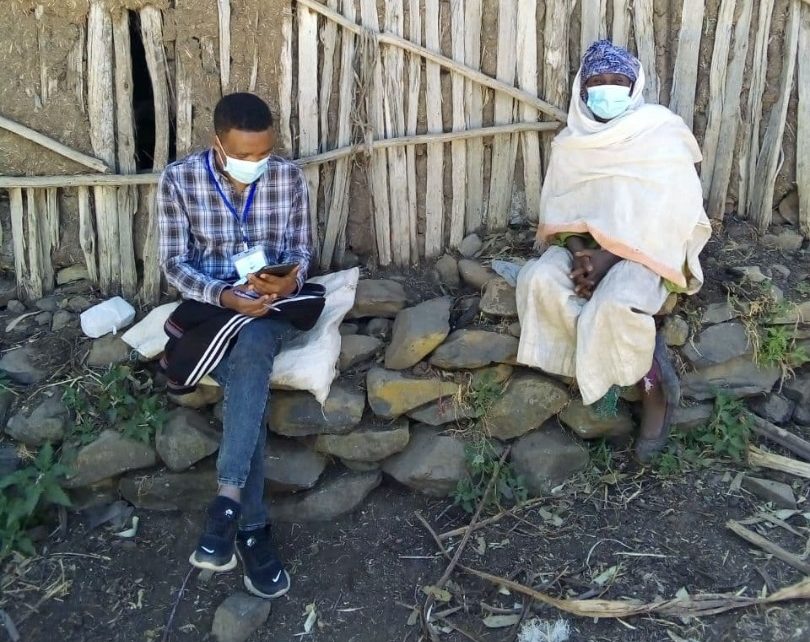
605 341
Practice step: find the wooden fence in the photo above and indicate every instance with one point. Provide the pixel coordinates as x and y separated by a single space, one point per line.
366 91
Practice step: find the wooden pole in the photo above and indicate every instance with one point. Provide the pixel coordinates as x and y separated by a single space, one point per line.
285 81
329 40
504 148
751 123
55 146
35 269
87 233
730 121
224 23
645 44
17 211
183 96
434 192
684 80
394 105
42 225
414 90
803 123
152 35
125 135
339 203
75 180
592 22
764 178
150 288
436 58
555 57
378 169
527 80
458 148
308 108
621 22
329 34
102 136
717 86
474 107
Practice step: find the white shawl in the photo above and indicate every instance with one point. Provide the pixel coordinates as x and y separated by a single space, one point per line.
631 183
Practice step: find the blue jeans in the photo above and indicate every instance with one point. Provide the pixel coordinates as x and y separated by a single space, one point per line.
245 374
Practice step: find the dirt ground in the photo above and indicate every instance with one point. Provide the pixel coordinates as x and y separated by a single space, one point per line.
365 572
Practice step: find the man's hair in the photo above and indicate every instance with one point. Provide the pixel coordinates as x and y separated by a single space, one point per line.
243 111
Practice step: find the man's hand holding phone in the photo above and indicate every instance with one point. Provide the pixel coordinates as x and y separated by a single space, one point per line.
265 283
244 304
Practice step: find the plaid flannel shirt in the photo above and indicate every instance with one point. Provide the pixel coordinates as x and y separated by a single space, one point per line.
199 235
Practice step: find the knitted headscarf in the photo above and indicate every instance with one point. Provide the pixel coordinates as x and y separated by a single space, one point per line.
603 57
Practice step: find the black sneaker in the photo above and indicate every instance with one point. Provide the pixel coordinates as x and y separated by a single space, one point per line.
215 549
265 575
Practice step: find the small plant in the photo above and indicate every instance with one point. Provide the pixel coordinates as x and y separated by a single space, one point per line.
777 347
120 399
803 288
23 495
482 460
725 435
601 455
757 305
728 431
482 393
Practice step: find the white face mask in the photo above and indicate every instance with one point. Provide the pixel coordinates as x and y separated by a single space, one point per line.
246 172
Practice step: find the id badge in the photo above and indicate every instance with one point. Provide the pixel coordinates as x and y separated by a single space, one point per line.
249 261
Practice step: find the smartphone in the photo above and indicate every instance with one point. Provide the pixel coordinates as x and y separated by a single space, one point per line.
278 270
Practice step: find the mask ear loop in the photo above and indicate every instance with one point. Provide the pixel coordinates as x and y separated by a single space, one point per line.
222 157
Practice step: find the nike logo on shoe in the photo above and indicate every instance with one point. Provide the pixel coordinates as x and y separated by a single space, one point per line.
278 576
210 551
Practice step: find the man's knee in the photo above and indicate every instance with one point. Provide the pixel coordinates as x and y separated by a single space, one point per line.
262 337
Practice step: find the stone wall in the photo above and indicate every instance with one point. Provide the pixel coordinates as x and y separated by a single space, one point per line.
405 403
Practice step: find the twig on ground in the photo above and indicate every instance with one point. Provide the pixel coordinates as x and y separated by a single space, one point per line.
425 614
179 597
769 547
495 518
694 606
793 443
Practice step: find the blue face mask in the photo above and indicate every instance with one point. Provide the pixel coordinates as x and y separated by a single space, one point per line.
608 101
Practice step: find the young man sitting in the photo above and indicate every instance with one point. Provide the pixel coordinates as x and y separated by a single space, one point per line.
223 214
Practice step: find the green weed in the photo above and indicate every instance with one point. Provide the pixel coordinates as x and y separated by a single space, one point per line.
482 458
483 393
24 494
726 435
757 305
121 399
777 347
601 455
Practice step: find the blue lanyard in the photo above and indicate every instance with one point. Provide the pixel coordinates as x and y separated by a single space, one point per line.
240 221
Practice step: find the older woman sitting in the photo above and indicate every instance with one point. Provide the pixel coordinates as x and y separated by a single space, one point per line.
622 209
